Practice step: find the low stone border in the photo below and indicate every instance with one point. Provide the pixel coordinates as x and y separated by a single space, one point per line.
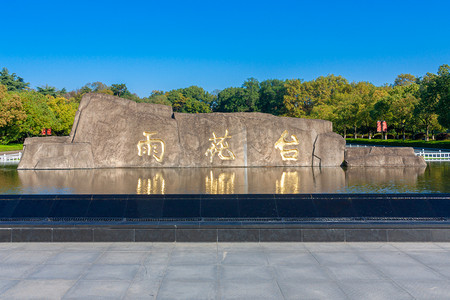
250 233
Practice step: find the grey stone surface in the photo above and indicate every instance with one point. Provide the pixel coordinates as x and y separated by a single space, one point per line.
241 271
383 157
107 131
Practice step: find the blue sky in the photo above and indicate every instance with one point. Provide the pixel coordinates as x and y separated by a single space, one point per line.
163 45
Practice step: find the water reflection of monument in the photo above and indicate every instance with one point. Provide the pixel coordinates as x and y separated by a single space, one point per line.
217 180
223 184
149 186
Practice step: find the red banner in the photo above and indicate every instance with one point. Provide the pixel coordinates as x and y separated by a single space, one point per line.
49 131
378 126
384 126
43 131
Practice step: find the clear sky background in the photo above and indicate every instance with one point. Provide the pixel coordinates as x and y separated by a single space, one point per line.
164 45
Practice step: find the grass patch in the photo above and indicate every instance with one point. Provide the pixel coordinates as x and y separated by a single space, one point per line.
11 147
401 143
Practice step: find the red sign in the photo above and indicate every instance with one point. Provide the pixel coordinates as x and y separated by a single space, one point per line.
49 131
43 131
384 126
378 126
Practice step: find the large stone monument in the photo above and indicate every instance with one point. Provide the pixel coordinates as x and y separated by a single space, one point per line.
111 132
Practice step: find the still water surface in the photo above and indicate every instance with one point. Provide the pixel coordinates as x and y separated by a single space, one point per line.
435 178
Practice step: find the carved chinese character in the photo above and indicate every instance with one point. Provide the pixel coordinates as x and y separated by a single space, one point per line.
287 154
150 147
220 146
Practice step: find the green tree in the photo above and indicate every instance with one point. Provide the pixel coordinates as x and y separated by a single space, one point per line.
251 93
404 80
48 90
119 89
443 106
12 81
231 100
12 116
271 96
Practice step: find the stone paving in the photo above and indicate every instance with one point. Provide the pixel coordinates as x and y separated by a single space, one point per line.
225 271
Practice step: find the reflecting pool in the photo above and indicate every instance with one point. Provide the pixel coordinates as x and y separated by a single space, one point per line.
434 178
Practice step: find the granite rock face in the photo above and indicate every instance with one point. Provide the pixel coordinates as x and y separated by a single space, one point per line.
383 157
111 132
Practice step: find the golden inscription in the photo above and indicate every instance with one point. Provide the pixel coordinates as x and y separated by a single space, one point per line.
150 146
220 146
224 184
288 183
287 154
154 185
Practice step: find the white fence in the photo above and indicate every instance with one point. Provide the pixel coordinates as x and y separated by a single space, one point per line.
434 156
14 158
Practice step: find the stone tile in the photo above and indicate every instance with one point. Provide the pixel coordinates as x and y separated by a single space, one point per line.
409 235
238 235
256 290
4 254
329 247
338 258
373 290
73 235
191 290
31 235
13 246
111 272
301 273
66 272
74 258
290 258
282 247
155 235
443 269
252 247
198 246
98 290
242 258
354 271
128 247
6 284
431 257
246 273
28 257
323 235
388 258
191 272
16 271
440 235
193 258
113 235
156 258
38 289
5 235
421 289
410 272
196 235
294 289
121 258
280 235
365 235
163 247
372 246
416 246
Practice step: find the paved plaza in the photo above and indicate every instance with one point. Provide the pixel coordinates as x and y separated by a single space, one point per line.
225 271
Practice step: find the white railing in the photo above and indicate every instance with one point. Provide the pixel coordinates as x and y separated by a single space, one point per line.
434 156
4 158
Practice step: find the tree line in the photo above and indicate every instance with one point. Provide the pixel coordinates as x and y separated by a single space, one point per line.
409 105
